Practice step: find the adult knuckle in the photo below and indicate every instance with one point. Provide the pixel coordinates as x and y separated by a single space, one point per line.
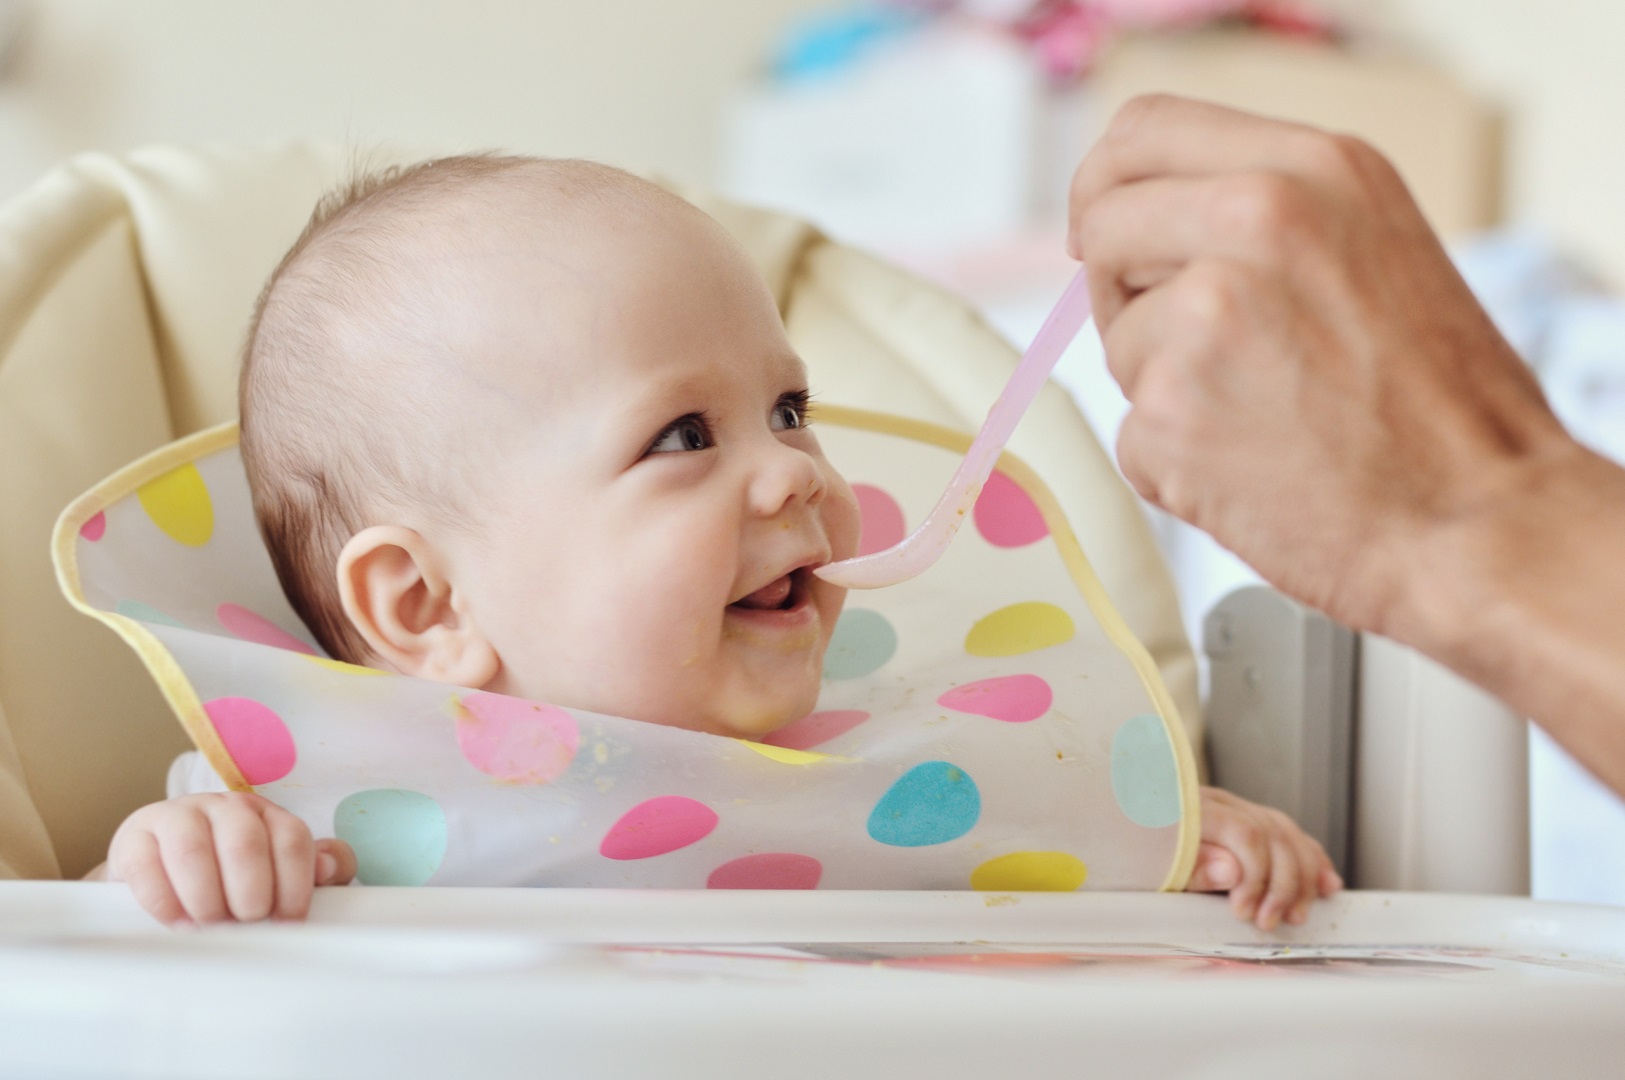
1267 210
1338 154
1350 166
1208 297
1135 113
1164 409
1089 228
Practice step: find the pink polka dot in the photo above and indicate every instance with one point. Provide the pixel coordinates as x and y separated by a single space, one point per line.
255 737
94 529
1014 699
656 826
515 740
882 519
245 624
770 870
819 727
1006 516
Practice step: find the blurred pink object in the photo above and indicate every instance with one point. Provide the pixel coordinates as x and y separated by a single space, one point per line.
1170 12
1069 35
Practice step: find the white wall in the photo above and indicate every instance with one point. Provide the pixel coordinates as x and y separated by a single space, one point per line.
1556 65
641 82
636 82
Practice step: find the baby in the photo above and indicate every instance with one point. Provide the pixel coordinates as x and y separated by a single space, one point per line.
453 352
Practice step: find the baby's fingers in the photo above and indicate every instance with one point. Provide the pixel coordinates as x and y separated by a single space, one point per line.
293 855
1217 870
1314 866
335 862
243 844
1253 852
1285 883
140 865
187 850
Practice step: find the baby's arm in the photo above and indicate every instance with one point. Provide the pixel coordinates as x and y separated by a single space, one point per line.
218 857
1271 868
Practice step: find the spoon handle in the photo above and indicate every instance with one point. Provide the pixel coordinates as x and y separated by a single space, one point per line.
918 551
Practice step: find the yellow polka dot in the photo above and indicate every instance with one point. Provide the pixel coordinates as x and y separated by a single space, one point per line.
1030 871
784 755
340 665
1019 628
178 503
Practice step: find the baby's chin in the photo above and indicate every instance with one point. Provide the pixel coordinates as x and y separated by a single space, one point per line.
758 720
751 711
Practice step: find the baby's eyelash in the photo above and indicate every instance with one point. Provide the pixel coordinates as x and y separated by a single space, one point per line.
801 402
697 423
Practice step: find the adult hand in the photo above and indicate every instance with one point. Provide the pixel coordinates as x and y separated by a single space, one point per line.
1313 384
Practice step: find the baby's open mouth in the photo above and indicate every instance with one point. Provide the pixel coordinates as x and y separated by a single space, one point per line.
780 594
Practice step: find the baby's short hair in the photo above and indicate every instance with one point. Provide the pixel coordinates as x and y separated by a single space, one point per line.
332 437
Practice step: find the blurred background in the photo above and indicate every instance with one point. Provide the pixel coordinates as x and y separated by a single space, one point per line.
940 134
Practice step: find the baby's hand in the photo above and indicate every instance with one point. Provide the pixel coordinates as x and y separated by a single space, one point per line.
1271 868
213 858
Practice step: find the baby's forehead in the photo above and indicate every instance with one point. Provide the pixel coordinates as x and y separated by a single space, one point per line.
521 286
526 238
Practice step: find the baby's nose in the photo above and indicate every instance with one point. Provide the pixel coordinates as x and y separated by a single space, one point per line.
784 477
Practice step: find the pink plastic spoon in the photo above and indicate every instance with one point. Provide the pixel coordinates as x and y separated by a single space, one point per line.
918 552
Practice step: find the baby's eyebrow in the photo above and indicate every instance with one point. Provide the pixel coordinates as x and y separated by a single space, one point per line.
799 366
655 394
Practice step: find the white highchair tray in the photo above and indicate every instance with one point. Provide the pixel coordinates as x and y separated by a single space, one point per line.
561 982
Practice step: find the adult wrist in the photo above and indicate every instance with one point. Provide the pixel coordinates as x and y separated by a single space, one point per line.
1504 580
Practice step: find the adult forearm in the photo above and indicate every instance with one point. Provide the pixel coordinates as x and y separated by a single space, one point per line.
1524 594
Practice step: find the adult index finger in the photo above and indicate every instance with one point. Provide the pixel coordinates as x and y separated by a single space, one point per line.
1137 236
1161 135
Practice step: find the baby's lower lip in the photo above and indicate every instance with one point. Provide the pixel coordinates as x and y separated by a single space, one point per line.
795 616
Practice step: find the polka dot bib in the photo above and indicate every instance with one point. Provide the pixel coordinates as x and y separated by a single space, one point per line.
991 724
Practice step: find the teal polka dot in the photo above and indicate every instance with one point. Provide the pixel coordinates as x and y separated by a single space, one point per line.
399 837
932 803
862 642
135 609
1145 774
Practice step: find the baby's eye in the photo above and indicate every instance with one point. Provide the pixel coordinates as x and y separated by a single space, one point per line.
687 433
790 413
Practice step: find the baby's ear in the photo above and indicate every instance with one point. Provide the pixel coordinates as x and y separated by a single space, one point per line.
398 594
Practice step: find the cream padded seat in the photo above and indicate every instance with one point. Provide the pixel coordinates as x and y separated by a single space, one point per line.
125 285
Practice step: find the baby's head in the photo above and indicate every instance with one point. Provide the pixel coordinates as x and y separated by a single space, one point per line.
534 426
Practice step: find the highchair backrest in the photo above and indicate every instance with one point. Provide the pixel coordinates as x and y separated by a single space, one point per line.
125 286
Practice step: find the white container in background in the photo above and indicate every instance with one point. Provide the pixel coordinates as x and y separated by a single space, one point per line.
925 141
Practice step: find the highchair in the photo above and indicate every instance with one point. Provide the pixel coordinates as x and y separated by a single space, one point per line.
123 300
